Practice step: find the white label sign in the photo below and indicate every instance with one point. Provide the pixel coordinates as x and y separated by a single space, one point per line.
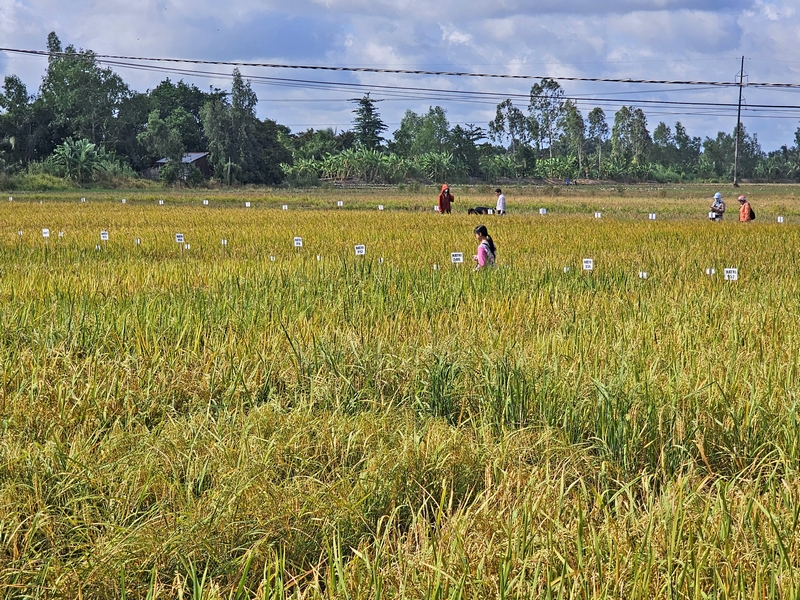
161 203
272 258
780 219
566 269
178 238
224 242
380 260
340 203
435 267
731 274
380 206
138 241
247 205
319 257
542 211
457 258
298 242
642 274
83 200
123 200
712 216
61 234
361 249
10 198
588 264
651 216
598 215
103 236
436 208
205 202
285 207
97 246
45 233
711 271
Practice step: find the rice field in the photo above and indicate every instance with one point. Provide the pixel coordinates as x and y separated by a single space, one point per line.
260 420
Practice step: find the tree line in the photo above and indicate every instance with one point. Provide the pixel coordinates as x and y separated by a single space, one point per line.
86 124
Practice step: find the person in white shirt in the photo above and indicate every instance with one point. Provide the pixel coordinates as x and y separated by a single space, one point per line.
501 202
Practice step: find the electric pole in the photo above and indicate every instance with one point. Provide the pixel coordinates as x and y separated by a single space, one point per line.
738 130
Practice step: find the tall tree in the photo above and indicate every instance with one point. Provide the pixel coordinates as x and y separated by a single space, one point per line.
574 128
367 124
630 139
243 149
598 133
80 94
512 127
419 134
546 107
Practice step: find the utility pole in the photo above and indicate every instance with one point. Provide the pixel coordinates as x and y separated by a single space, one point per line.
738 130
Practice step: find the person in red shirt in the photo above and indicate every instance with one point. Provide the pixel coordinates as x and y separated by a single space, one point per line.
445 199
745 215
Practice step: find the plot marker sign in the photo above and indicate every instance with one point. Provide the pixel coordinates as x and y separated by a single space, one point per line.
179 238
161 203
780 219
731 274
711 271
588 264
598 215
339 203
542 211
247 205
651 216
103 236
285 207
45 233
456 258
360 249
205 202
298 242
642 274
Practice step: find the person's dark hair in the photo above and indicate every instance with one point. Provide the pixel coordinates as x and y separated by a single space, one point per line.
481 230
499 191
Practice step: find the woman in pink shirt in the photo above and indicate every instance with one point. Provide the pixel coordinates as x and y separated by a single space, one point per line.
486 248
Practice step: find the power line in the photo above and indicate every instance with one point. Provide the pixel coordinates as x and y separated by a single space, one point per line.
399 71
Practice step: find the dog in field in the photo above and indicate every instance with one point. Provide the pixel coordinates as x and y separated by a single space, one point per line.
479 210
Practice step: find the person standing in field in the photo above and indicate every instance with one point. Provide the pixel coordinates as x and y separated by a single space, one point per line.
445 199
717 208
487 252
745 212
501 202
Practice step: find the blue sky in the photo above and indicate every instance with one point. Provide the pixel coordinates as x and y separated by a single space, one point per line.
647 39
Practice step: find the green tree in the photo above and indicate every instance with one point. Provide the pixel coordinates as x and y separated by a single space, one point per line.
367 124
78 158
598 134
162 138
630 139
546 108
419 134
82 96
243 149
574 128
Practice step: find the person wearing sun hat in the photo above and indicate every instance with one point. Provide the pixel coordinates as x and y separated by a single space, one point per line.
717 209
745 211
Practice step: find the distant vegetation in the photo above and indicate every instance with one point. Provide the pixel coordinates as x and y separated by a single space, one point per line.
86 127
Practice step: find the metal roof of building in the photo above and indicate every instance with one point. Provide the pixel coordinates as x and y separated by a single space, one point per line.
188 158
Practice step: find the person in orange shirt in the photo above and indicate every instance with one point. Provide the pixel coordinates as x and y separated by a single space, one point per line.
744 210
445 198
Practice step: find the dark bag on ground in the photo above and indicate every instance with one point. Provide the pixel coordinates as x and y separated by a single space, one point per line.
752 214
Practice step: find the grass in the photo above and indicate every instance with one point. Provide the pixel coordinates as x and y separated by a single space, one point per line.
216 424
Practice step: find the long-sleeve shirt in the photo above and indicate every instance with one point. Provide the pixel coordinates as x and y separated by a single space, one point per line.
744 212
444 202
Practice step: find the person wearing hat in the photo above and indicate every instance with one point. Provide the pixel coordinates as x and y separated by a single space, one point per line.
445 199
501 202
718 208
745 212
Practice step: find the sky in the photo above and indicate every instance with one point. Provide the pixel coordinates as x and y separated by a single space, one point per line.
697 40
